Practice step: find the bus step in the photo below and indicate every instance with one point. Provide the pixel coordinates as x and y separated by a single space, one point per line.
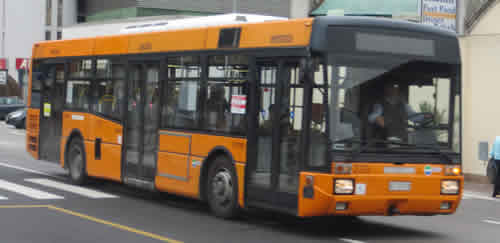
139 183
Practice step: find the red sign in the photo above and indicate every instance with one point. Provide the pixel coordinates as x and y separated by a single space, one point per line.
3 63
22 63
238 104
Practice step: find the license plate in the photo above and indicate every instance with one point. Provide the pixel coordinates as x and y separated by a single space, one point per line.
399 186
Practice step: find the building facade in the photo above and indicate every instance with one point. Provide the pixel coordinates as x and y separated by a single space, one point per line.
25 22
480 54
96 17
98 10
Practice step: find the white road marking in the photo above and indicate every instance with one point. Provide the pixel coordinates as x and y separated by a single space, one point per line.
25 169
470 195
350 240
70 188
491 222
3 198
27 191
17 133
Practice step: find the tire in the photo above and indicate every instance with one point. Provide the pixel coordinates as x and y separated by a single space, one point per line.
20 125
222 188
76 162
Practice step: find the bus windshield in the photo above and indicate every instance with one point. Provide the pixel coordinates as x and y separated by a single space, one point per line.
390 105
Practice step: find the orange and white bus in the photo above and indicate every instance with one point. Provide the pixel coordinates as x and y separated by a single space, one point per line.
311 117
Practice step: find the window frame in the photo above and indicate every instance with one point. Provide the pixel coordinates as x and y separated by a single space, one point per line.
90 78
96 82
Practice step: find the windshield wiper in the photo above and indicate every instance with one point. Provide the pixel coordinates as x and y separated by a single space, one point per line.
436 150
371 142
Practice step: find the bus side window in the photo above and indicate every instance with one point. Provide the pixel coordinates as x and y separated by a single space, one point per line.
78 86
110 91
181 106
227 93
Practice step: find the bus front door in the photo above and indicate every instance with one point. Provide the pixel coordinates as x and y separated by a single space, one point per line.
274 147
141 125
51 112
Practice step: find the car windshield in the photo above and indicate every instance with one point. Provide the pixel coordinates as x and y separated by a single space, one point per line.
393 105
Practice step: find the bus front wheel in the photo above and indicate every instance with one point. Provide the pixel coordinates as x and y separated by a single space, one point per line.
76 162
222 188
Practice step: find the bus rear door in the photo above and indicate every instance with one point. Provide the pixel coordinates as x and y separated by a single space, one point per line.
142 123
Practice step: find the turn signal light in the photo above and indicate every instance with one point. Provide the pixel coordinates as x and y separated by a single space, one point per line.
343 168
452 170
309 180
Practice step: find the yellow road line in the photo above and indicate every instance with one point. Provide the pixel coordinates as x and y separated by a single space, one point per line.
101 221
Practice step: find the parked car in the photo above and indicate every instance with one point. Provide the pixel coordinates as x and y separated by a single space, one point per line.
8 105
17 118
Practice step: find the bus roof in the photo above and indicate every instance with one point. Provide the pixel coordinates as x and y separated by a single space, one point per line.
264 32
198 22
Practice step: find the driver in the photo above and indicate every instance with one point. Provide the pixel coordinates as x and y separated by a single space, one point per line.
390 116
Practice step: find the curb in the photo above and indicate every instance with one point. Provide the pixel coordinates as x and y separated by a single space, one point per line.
477 179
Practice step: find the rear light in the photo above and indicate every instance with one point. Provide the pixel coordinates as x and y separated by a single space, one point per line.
344 186
343 168
450 187
452 170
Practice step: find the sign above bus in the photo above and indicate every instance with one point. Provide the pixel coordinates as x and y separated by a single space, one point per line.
440 13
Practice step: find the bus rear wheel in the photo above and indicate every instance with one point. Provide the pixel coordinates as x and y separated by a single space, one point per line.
76 162
222 188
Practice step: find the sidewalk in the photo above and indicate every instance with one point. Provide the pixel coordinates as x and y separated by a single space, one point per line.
480 188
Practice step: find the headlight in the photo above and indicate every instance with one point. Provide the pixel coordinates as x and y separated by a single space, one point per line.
16 115
344 186
450 187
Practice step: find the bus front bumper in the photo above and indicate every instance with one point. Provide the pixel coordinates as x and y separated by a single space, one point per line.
423 198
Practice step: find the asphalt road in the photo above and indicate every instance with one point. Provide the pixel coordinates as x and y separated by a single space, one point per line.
38 204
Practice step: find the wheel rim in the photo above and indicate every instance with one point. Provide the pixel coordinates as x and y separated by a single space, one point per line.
222 188
76 164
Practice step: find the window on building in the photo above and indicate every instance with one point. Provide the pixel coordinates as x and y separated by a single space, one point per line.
59 13
110 91
181 94
48 12
47 35
227 94
79 85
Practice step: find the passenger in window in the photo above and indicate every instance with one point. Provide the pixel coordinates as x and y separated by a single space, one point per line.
217 107
107 102
119 93
390 115
285 125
